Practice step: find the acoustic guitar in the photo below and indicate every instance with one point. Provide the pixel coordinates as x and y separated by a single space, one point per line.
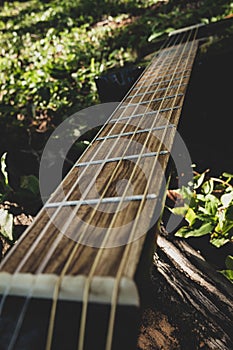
74 279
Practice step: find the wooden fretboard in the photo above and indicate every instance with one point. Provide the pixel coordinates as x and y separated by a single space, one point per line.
76 265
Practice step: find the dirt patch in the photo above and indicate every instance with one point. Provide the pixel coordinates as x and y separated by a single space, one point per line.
156 332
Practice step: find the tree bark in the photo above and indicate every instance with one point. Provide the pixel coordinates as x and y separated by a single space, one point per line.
191 305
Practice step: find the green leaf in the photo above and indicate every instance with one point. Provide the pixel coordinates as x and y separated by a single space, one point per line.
30 183
219 241
211 204
179 210
158 34
190 216
208 186
183 232
3 168
6 224
186 194
227 198
186 231
228 274
228 175
229 262
229 213
224 227
198 180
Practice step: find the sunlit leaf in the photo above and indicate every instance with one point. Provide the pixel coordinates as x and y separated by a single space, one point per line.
208 186
211 205
190 216
6 224
179 210
201 231
3 168
198 180
228 175
228 274
219 241
227 198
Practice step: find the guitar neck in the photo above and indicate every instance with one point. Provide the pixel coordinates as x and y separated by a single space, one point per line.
80 257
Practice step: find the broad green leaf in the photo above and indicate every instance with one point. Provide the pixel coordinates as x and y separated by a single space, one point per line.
190 216
208 186
229 262
179 210
190 232
6 224
183 232
211 205
30 183
224 227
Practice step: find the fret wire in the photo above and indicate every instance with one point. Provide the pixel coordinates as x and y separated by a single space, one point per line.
85 297
148 113
53 315
133 132
116 288
85 301
154 71
152 75
85 151
155 100
86 293
72 188
100 201
29 252
136 88
161 89
166 64
162 76
116 159
159 82
87 190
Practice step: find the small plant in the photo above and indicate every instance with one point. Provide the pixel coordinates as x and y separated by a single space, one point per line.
207 207
27 192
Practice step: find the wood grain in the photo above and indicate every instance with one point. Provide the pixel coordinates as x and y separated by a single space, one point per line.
103 234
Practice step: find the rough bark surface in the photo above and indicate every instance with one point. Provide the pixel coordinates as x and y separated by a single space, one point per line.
191 305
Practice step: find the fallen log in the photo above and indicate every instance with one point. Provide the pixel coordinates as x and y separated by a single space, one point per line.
191 306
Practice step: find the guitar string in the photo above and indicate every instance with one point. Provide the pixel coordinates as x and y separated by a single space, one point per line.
18 269
127 249
98 256
50 333
55 300
40 236
11 252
